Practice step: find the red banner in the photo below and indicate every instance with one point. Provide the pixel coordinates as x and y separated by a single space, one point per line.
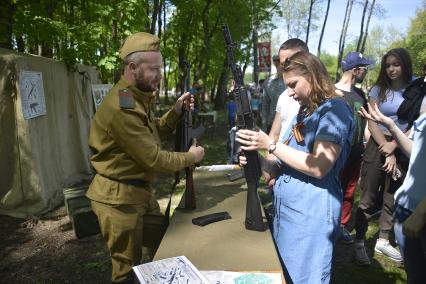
264 55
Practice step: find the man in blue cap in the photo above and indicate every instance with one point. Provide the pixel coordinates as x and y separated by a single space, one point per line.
354 67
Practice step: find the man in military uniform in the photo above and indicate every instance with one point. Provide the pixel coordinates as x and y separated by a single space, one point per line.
125 140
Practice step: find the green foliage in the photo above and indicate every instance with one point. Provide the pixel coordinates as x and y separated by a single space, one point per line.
416 40
330 62
91 32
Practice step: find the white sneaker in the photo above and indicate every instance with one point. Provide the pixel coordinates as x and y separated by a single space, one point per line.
361 254
384 247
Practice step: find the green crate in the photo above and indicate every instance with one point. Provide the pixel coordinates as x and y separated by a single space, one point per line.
84 221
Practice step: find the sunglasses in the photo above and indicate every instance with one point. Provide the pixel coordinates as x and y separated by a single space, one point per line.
362 68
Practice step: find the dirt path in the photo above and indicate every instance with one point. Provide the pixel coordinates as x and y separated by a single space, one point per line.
47 251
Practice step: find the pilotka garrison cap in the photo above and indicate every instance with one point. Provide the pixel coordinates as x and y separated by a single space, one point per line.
139 42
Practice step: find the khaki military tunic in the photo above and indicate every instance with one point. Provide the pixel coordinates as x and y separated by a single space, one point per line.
125 140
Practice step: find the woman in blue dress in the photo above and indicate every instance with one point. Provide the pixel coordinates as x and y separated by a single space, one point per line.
307 193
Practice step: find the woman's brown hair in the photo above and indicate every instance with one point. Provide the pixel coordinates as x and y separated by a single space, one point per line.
383 81
309 66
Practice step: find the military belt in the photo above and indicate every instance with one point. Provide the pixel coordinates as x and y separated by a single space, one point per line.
133 182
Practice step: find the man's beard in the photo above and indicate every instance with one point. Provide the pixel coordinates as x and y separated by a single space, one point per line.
144 86
358 80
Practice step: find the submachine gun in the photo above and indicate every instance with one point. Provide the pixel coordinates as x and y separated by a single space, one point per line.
184 139
245 120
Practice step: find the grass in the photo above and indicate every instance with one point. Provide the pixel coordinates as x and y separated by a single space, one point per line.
381 270
345 270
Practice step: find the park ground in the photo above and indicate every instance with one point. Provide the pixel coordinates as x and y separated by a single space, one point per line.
44 249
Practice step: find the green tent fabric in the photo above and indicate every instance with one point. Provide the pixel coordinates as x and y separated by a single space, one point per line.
42 155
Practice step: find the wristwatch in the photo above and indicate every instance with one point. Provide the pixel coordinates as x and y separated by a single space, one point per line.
272 147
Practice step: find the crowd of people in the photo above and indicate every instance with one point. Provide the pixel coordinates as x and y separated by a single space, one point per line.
314 131
338 138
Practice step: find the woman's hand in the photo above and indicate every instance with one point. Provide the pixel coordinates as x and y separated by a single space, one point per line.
390 164
387 148
270 180
253 140
375 115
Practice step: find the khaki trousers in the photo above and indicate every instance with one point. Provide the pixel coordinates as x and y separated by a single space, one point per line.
122 229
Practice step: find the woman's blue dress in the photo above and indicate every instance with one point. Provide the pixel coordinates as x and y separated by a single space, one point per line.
307 209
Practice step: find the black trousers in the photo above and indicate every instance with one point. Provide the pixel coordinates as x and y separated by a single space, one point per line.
377 190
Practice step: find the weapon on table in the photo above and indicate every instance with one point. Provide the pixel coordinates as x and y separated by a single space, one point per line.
184 138
245 120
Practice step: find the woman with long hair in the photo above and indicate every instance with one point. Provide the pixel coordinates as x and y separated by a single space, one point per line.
307 192
384 165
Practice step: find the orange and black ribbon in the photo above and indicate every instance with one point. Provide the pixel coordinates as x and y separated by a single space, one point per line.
296 133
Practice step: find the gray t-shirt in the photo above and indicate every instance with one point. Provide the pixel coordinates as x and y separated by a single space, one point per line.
389 106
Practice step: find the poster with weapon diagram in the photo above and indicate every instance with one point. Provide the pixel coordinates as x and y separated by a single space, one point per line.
32 94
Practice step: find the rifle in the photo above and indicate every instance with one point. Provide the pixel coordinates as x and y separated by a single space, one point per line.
184 139
245 120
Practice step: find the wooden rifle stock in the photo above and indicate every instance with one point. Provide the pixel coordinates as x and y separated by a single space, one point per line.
245 120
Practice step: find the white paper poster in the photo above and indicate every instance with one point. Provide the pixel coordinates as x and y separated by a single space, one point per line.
99 91
32 94
174 270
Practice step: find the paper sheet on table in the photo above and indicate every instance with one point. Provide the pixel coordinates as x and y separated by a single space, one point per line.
175 270
230 277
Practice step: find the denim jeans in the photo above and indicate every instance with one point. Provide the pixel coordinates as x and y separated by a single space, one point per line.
413 249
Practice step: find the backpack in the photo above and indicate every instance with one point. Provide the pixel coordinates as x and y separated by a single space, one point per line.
413 95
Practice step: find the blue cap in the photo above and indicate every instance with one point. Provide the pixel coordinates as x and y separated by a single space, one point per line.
354 59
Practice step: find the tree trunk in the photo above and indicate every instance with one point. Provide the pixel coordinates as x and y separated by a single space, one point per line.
46 45
343 36
146 22
219 101
7 10
208 35
185 37
323 28
155 10
166 73
255 40
20 43
309 21
213 89
160 20
361 33
366 28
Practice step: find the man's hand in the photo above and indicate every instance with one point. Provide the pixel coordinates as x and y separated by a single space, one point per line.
186 100
242 160
198 151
